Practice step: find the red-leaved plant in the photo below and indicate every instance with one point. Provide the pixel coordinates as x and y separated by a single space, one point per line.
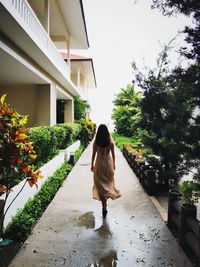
16 152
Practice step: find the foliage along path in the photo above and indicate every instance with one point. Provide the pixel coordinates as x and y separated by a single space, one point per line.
73 233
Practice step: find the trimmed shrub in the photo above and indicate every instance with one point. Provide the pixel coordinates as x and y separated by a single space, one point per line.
76 129
87 132
72 131
47 140
45 143
60 134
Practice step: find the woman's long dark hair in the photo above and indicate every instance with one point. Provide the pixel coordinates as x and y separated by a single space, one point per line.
103 136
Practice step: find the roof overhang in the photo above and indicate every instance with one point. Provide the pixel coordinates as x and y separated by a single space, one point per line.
67 21
86 65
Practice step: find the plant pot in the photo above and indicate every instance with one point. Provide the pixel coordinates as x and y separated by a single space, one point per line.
151 182
173 184
174 194
189 210
174 198
1 216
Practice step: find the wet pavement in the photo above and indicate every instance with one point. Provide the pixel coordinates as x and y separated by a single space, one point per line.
73 233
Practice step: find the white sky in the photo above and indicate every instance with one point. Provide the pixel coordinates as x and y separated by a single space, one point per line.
120 31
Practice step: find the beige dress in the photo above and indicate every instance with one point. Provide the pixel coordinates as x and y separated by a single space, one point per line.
104 183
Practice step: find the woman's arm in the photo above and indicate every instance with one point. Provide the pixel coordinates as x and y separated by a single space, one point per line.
113 154
94 151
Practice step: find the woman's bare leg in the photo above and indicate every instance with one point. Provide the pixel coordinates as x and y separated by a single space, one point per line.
104 206
104 203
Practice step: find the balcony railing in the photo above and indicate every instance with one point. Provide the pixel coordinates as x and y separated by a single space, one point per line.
25 16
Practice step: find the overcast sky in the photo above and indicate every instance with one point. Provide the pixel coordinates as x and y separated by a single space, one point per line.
120 31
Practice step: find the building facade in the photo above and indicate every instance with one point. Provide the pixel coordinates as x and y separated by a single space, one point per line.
33 73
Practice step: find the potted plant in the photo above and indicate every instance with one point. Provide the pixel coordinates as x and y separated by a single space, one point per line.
16 155
190 195
190 192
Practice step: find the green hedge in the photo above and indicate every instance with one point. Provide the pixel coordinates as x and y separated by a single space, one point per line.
47 140
44 143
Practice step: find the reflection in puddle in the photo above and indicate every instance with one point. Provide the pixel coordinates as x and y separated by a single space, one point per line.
86 220
108 260
104 229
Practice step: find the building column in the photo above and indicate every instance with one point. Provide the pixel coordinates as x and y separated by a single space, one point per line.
68 55
78 78
85 90
53 99
46 18
43 112
69 111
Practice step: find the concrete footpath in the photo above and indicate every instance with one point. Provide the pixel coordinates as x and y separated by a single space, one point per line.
73 233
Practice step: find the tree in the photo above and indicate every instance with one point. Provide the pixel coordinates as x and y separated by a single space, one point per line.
189 77
16 152
126 113
81 108
188 8
166 116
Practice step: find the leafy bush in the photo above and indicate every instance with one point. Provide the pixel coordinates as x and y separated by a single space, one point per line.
67 140
60 134
47 140
87 132
72 131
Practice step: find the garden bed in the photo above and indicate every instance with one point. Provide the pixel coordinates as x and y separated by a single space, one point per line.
25 220
46 170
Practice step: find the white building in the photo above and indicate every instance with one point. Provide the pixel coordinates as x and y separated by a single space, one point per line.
32 71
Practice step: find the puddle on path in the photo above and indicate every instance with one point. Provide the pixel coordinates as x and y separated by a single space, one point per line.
86 220
104 229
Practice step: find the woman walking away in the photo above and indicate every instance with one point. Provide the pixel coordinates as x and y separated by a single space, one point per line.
104 183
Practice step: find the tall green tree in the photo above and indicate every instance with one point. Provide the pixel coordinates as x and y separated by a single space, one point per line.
166 117
81 108
126 113
188 78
